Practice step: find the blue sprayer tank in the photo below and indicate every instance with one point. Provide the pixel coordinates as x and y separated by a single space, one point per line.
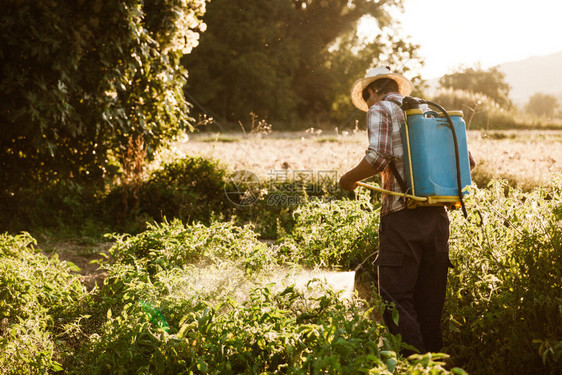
429 156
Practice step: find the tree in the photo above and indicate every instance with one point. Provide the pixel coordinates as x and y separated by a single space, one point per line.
349 61
81 79
244 59
488 82
286 58
542 104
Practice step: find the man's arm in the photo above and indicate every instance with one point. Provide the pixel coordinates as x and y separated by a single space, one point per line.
375 161
363 170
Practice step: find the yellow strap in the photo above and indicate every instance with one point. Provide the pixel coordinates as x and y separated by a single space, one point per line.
409 151
419 199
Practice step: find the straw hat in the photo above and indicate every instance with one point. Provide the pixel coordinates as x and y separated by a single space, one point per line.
404 85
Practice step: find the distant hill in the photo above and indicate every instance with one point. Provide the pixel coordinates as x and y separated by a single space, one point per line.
534 74
529 76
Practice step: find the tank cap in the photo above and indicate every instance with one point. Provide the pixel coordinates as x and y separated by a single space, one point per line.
411 103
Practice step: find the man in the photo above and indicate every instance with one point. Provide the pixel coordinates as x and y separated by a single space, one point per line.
413 254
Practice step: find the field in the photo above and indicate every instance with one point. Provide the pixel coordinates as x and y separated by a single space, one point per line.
136 240
208 294
527 158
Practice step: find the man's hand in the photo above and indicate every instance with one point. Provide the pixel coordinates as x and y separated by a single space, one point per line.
363 170
347 183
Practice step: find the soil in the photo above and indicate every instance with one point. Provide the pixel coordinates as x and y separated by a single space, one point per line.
83 255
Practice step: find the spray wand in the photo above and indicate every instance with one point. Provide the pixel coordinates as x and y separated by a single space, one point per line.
380 190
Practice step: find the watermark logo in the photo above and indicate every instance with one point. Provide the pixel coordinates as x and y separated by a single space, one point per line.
282 187
242 188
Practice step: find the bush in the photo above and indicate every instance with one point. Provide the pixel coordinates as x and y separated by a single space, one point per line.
40 299
271 220
337 234
271 332
170 245
195 324
61 205
158 255
504 305
190 189
272 213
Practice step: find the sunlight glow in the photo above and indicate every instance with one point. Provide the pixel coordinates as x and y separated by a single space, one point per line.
453 33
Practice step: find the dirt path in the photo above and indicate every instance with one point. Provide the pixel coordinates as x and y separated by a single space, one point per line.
81 255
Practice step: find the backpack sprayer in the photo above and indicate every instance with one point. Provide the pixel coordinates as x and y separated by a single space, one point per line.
437 167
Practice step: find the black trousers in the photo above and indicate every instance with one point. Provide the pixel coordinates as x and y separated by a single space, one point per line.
412 266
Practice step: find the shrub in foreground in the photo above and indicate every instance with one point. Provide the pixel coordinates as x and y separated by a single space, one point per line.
279 332
337 234
504 303
193 328
39 304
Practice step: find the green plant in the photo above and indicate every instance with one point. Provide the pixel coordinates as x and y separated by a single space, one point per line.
174 244
269 332
82 78
204 283
40 300
334 234
190 189
61 205
30 282
155 256
504 305
28 348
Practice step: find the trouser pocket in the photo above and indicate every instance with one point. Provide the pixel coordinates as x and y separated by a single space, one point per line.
389 258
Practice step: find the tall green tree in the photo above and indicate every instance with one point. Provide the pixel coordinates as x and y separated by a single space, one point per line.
332 56
489 82
354 55
286 58
245 59
81 79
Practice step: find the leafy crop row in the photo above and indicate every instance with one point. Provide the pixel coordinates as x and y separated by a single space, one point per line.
190 276
268 333
334 234
504 303
40 302
194 298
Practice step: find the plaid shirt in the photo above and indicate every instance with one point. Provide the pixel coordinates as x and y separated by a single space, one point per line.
384 120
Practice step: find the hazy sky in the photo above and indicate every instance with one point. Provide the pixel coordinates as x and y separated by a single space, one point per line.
491 32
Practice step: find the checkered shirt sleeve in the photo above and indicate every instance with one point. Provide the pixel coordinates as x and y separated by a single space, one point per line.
384 120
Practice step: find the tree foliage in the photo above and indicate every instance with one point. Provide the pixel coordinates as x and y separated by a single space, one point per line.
542 104
80 79
488 82
287 58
